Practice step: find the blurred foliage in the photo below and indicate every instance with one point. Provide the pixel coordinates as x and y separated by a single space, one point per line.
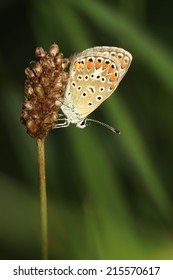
109 196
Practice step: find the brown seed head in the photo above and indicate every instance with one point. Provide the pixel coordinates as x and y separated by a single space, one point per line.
44 89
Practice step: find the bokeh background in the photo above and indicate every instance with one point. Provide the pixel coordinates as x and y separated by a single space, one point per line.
109 196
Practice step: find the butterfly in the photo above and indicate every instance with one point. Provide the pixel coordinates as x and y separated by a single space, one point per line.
94 75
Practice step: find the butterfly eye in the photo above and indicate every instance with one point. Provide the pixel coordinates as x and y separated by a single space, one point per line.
82 124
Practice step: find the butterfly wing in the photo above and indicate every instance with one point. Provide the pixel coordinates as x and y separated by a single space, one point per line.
94 75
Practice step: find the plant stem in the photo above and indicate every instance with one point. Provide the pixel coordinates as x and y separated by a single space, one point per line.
43 199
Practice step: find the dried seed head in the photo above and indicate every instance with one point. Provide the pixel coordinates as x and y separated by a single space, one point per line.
53 50
40 52
44 89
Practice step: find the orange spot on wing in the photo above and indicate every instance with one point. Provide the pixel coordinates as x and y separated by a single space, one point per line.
112 78
82 66
120 58
98 64
123 65
105 65
78 66
111 70
89 64
75 66
113 86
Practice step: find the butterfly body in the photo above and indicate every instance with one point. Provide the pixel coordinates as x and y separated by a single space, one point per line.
94 75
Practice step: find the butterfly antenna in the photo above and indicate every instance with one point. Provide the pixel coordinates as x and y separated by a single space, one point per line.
105 125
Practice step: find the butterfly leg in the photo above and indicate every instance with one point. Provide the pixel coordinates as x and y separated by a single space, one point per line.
65 123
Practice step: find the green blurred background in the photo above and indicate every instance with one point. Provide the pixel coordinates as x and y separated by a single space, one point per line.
109 196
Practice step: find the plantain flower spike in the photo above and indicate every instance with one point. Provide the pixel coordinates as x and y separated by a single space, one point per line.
44 89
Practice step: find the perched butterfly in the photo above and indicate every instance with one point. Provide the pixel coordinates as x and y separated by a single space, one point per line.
94 75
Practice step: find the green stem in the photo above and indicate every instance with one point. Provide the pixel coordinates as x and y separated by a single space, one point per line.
43 199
